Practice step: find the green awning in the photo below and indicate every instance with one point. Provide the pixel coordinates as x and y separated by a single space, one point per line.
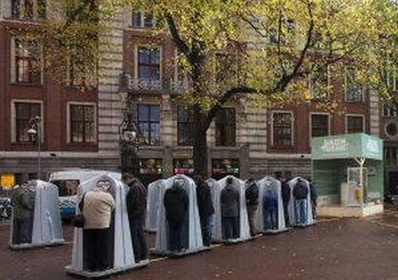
356 145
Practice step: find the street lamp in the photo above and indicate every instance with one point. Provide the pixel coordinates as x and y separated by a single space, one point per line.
129 133
35 133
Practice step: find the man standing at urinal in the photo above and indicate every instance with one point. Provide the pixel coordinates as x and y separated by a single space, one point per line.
251 204
136 200
205 207
230 210
300 193
22 213
176 203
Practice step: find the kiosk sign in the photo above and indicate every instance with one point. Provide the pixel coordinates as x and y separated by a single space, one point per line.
355 145
7 181
334 145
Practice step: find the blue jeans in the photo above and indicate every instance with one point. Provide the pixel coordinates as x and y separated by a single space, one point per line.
175 242
206 227
301 211
270 216
138 239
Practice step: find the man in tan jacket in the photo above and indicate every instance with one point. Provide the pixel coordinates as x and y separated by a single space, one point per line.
97 207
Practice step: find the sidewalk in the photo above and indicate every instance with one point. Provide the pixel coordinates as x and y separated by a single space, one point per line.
335 249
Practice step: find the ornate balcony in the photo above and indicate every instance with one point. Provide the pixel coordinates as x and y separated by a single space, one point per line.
171 86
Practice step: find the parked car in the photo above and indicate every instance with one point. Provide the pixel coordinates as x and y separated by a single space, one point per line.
68 181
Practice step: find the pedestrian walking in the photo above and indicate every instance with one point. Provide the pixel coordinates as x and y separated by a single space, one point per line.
176 204
97 206
206 209
230 210
251 194
136 200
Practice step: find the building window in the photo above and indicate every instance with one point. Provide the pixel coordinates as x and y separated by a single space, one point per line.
319 84
149 123
224 167
24 112
27 62
390 155
353 90
184 127
142 20
392 81
390 110
82 124
282 129
183 166
355 124
149 67
391 128
226 127
319 125
80 71
28 9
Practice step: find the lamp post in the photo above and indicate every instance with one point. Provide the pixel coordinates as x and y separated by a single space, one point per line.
35 132
129 134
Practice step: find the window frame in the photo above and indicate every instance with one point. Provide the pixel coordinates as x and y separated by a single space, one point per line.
148 83
30 58
358 87
228 127
142 17
276 145
69 133
311 123
14 134
29 10
312 85
187 124
149 122
355 116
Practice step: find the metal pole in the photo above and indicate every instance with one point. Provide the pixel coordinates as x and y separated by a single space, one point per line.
38 150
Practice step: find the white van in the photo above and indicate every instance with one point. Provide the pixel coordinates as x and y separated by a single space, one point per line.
67 182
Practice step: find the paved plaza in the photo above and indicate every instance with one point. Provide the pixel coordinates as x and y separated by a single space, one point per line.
335 248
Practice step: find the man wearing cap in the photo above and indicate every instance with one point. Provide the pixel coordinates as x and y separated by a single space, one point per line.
97 209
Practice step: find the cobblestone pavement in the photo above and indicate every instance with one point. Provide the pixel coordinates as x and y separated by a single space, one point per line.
333 249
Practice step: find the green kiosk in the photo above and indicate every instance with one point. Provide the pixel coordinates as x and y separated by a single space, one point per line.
348 170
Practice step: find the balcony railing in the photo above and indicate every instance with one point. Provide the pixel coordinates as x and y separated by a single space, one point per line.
170 86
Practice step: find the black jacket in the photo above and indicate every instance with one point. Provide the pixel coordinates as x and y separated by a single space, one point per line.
136 201
176 203
229 202
285 188
205 203
252 194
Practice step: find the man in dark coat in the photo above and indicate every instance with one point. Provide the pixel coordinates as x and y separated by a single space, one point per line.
286 194
176 204
206 209
136 200
300 193
230 210
251 204
23 211
314 197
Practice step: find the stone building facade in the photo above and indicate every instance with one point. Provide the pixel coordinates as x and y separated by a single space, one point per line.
265 141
